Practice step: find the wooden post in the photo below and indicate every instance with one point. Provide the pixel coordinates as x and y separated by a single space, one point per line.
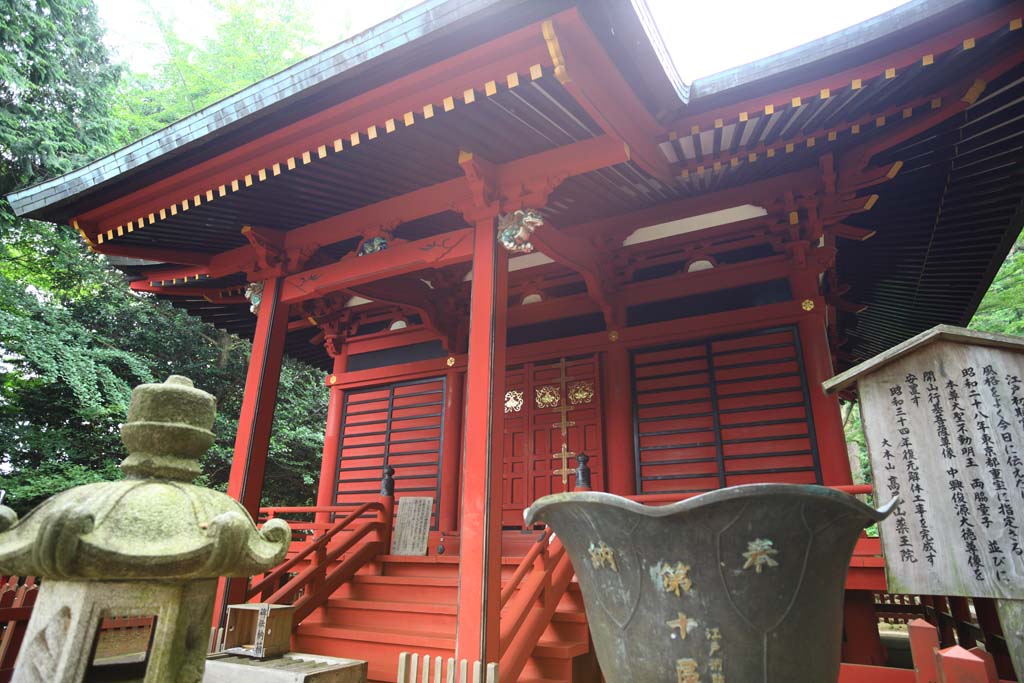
327 488
924 643
828 420
617 390
995 641
448 506
480 536
862 644
957 665
245 483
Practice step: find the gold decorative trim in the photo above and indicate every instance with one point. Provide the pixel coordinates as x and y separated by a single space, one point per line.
547 396
580 392
335 146
513 401
555 50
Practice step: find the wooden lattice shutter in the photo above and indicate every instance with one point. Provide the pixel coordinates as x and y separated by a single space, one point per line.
726 411
400 425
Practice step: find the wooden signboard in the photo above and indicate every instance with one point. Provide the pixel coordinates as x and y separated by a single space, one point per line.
412 526
943 417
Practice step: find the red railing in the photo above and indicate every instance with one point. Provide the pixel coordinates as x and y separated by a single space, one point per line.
309 577
529 601
16 599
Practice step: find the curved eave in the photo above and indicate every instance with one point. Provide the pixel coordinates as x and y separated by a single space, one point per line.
428 33
862 43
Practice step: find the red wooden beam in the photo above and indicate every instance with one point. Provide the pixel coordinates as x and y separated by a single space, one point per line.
389 340
352 271
585 70
515 52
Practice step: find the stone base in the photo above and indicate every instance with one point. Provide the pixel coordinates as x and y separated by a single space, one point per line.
292 667
63 630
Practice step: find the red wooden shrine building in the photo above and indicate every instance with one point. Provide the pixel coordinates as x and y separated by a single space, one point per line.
707 255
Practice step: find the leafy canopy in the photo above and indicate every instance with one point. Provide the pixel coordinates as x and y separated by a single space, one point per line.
74 339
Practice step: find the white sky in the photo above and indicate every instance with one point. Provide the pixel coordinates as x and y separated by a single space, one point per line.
703 37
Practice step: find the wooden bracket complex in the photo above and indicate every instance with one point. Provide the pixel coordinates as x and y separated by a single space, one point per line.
582 256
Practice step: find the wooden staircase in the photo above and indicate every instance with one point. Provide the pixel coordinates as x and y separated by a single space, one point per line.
408 604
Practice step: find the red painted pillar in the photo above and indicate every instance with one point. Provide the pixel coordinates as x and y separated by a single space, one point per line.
451 453
245 483
861 642
817 357
620 456
480 535
327 488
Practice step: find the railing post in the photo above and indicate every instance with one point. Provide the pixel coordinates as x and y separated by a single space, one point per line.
924 643
957 665
582 472
387 501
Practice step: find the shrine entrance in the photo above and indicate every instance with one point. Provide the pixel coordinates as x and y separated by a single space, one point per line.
552 413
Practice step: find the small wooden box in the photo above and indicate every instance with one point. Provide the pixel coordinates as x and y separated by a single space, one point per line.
258 630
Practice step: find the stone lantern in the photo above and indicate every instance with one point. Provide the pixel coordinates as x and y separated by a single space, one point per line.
151 545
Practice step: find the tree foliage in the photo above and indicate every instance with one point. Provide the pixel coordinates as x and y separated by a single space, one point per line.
1002 308
74 339
252 39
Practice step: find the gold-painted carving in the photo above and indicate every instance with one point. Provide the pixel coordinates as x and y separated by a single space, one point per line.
715 636
450 362
548 396
807 305
602 556
564 471
686 671
581 392
759 554
716 666
679 623
513 401
675 579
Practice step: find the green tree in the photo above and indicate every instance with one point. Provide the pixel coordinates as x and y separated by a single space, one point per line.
253 39
1002 308
74 338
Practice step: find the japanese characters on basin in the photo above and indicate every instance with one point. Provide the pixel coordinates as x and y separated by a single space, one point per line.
945 433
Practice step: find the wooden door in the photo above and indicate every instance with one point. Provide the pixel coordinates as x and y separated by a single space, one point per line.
548 404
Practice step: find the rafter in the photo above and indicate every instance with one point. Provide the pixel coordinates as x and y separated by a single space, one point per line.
585 70
515 52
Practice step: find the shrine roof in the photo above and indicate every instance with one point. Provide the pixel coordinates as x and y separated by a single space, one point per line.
427 33
949 333
436 29
942 225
